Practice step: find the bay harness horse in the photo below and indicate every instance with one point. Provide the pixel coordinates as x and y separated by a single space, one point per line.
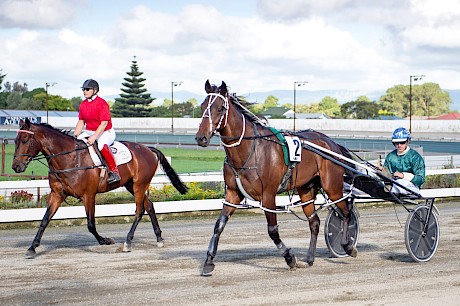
254 169
72 173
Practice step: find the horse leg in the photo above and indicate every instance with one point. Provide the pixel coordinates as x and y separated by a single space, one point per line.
273 232
137 218
148 205
222 220
55 200
90 203
139 198
346 242
314 223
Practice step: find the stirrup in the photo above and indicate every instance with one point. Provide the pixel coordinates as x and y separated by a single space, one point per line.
113 177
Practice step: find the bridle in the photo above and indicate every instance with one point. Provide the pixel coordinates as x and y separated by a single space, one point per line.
31 145
49 157
212 97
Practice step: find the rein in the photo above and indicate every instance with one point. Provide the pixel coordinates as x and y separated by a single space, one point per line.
49 157
76 168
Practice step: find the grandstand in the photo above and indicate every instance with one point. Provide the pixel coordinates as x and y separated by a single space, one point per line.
12 116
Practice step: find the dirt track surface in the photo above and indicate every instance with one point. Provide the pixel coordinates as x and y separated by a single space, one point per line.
71 269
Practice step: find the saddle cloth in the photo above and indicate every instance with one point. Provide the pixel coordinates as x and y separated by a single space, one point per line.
120 152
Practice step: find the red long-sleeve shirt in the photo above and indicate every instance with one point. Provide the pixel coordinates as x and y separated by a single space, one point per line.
95 111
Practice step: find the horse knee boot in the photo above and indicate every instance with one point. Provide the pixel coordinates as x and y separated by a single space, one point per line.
113 175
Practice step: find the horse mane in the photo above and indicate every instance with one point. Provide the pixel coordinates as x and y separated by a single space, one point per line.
61 131
241 105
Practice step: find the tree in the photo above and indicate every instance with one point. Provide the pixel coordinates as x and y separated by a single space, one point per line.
2 76
270 102
361 108
160 111
76 101
431 100
330 106
427 100
196 109
134 101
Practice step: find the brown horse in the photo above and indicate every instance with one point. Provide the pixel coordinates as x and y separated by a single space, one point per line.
254 167
72 173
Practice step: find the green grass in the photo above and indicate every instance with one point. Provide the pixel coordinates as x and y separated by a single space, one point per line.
183 161
193 160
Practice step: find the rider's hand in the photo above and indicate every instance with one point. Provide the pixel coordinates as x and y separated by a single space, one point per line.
398 175
91 140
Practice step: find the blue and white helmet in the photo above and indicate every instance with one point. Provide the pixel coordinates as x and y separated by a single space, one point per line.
400 134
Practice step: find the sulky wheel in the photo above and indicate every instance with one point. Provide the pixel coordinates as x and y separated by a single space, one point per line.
333 231
422 241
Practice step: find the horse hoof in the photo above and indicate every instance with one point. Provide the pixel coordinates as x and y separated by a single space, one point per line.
354 252
310 259
160 244
207 269
126 247
292 262
106 241
30 254
302 264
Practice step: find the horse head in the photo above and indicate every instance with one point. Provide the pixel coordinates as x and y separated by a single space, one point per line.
26 147
215 113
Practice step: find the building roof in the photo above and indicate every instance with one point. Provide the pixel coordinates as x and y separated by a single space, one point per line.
289 114
449 116
308 116
36 113
275 111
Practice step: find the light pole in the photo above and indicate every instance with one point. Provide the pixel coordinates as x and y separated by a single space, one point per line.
48 84
415 78
173 84
297 84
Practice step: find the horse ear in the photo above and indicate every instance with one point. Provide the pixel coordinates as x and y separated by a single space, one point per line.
223 89
208 87
21 123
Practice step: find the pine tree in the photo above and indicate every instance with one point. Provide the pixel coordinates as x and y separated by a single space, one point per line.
134 101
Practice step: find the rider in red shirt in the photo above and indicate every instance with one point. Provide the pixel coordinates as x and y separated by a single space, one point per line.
95 114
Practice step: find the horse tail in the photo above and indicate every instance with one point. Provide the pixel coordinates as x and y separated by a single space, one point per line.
172 175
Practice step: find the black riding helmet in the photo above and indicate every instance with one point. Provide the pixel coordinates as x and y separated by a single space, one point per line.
90 83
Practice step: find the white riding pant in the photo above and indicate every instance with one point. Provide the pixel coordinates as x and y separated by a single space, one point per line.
408 184
106 138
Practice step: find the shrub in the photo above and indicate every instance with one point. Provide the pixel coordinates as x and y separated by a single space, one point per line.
442 181
21 196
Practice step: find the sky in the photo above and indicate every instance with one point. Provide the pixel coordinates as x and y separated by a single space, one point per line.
252 45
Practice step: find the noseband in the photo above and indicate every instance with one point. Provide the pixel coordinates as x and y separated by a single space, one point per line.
207 114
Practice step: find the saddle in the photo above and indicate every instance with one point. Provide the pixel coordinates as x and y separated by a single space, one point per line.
121 153
287 154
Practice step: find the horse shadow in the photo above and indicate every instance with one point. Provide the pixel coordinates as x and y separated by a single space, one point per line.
75 242
396 257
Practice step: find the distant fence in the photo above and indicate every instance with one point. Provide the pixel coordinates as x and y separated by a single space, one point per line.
110 210
116 210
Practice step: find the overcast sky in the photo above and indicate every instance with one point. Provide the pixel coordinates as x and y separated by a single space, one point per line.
252 45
